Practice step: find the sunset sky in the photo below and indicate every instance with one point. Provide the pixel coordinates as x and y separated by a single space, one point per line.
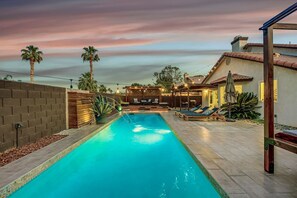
135 38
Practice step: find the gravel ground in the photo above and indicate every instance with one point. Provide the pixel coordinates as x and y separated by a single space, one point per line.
16 153
277 126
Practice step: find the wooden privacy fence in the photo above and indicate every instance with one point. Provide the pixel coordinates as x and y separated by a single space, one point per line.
80 108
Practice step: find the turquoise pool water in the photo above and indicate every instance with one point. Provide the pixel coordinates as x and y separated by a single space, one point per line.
142 159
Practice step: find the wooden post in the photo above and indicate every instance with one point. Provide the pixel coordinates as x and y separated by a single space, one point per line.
171 103
180 100
160 95
126 92
188 99
175 99
268 99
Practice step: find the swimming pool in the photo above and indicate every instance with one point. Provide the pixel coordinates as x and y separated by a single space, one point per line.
138 159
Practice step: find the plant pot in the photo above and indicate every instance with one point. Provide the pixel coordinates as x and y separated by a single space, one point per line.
102 119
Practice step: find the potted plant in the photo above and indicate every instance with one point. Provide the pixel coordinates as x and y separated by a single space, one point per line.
101 108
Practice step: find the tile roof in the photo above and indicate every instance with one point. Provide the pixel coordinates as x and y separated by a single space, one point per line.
292 46
236 78
196 79
289 62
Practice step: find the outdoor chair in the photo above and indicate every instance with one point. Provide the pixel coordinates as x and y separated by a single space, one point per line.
156 101
143 101
135 101
206 115
149 101
199 111
191 110
163 104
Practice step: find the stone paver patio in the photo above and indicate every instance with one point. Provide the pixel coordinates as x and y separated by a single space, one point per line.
233 154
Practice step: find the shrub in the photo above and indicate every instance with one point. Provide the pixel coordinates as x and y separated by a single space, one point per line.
244 108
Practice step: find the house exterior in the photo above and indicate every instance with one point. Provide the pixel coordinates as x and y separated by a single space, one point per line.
246 64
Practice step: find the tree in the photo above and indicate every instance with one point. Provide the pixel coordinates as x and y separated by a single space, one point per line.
168 76
32 54
109 90
90 54
102 89
8 77
136 85
86 83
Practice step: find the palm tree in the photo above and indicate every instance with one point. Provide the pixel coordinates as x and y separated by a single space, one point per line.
32 54
90 54
86 83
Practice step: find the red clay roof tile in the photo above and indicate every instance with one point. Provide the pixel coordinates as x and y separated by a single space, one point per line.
236 77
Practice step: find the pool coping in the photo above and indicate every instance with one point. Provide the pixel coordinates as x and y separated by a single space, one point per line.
13 186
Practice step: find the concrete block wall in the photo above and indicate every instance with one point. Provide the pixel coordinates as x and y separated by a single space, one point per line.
40 109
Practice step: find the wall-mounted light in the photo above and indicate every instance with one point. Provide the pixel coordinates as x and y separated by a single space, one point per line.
186 85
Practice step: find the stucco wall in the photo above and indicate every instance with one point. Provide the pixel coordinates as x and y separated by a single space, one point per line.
284 51
286 106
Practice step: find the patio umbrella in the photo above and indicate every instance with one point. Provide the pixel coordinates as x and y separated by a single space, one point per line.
230 92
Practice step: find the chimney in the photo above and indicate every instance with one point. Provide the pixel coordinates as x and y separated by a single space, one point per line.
238 43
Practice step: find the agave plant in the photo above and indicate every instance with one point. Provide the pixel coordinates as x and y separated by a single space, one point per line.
245 106
102 107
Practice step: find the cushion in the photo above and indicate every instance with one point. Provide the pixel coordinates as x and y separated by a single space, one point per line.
207 112
199 111
286 137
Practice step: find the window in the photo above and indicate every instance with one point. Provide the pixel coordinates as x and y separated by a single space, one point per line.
261 88
238 89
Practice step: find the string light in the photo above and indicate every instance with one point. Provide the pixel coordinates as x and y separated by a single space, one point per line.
57 77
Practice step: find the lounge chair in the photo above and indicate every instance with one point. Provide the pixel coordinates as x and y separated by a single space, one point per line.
135 101
200 116
199 111
191 110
